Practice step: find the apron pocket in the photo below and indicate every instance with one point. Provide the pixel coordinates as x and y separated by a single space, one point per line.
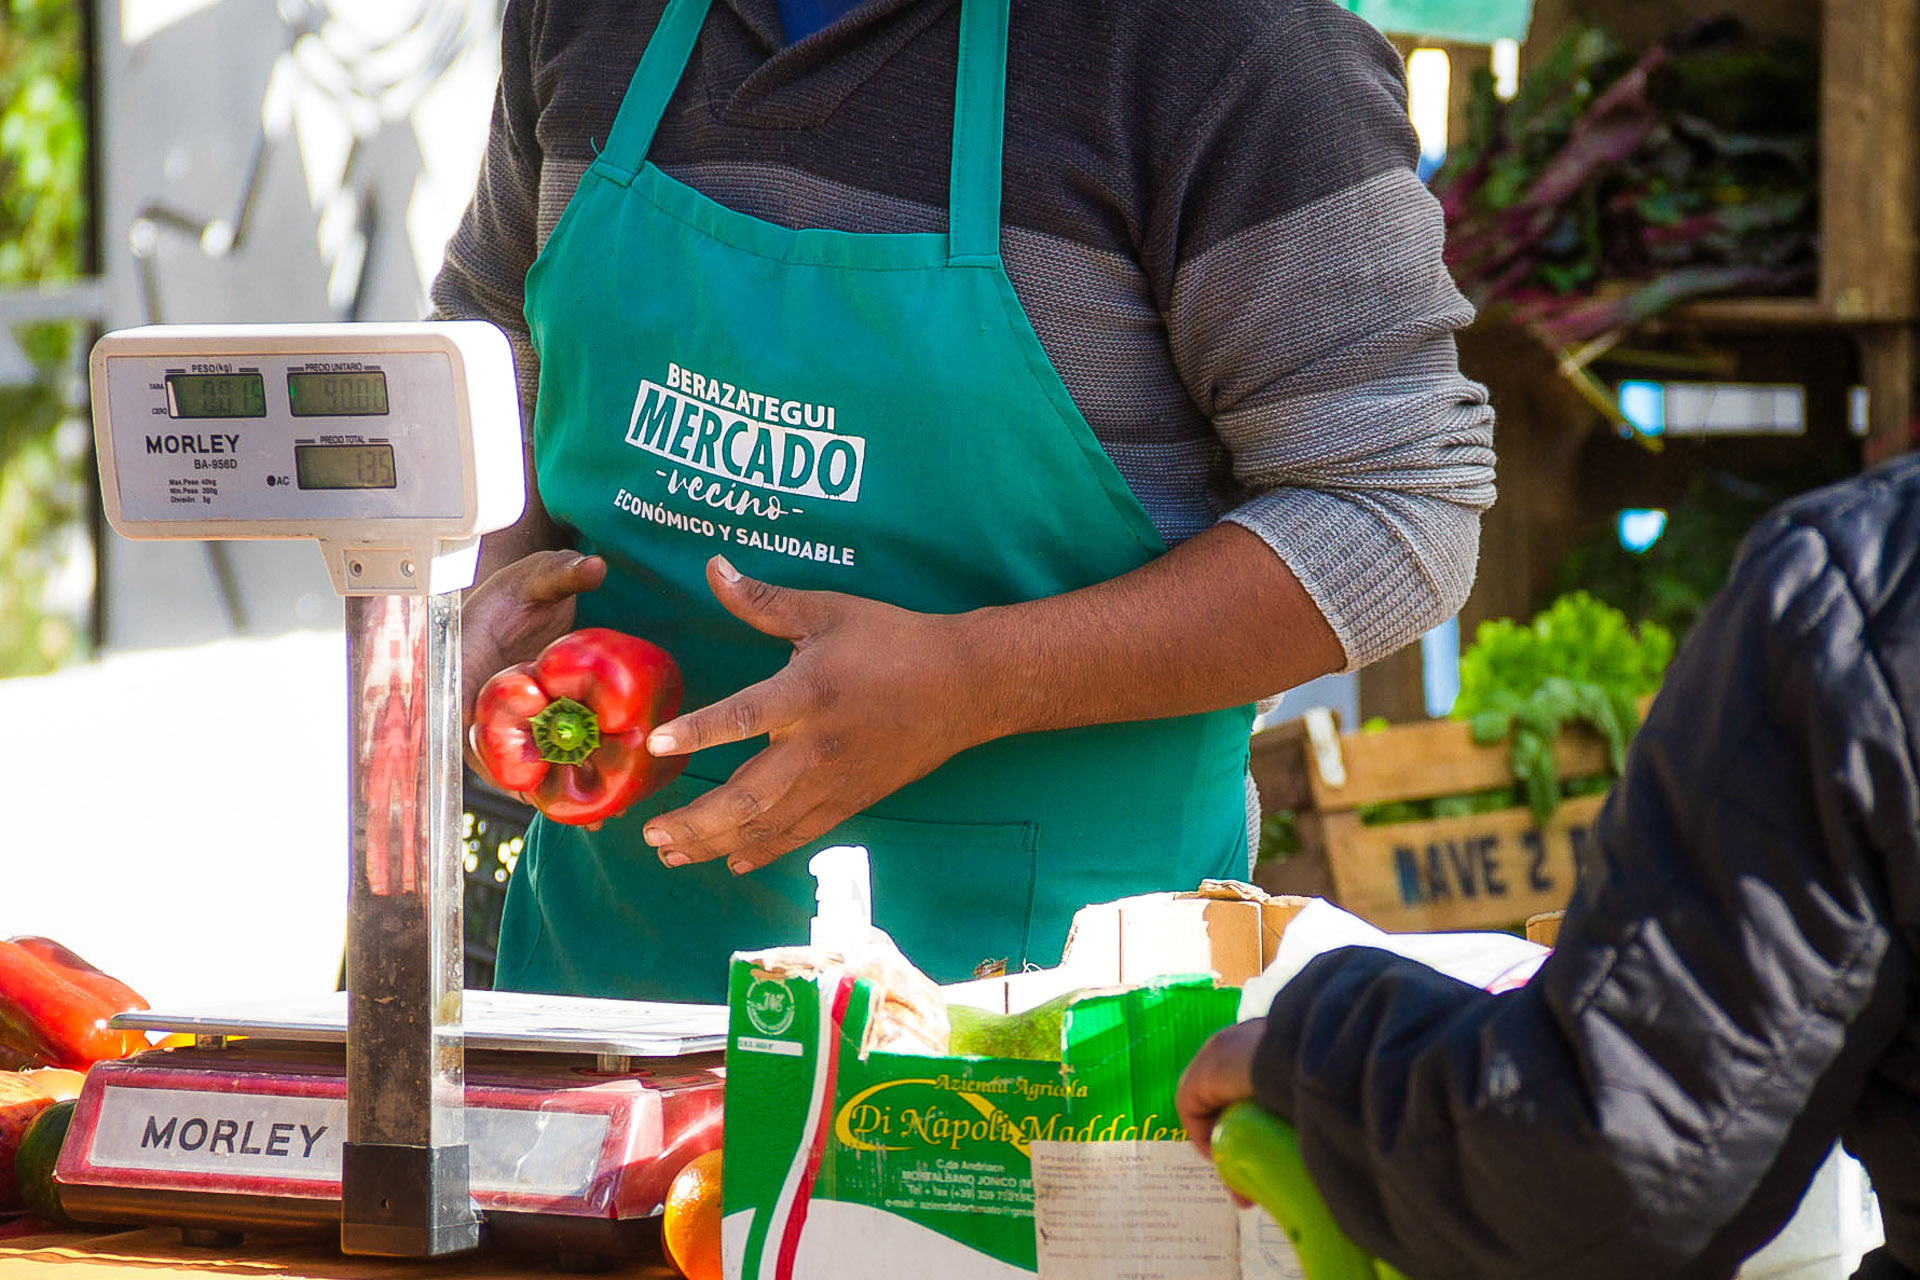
953 895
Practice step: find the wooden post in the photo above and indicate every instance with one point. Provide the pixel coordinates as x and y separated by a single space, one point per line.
1887 365
1870 160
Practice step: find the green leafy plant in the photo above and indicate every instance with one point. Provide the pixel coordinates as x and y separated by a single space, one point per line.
1279 837
1619 183
1579 661
42 229
41 500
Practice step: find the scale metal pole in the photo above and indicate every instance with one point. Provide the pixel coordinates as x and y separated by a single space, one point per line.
404 1170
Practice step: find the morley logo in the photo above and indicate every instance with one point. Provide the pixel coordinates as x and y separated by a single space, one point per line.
748 438
770 1007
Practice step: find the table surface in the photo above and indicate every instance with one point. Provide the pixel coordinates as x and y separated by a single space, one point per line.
157 1253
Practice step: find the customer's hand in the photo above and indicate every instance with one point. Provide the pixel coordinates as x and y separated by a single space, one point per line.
1220 1075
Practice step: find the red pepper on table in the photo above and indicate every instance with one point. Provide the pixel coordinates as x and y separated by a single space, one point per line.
567 732
81 974
56 1015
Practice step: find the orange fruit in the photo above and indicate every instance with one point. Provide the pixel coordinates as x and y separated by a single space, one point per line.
690 1226
57 1083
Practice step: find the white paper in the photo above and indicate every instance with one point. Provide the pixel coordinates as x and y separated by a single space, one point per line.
1131 1211
1490 961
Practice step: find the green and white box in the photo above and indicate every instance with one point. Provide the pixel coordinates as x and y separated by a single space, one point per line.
844 1166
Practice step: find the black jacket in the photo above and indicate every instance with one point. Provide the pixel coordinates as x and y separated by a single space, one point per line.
1734 984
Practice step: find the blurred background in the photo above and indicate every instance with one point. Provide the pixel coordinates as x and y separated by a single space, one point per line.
175 762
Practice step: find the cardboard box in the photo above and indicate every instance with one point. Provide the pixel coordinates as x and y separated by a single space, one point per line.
1224 927
847 1166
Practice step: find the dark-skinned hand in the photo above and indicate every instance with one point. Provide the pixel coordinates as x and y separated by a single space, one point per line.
873 698
1220 1075
519 610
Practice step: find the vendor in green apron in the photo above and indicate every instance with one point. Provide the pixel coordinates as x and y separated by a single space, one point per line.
917 606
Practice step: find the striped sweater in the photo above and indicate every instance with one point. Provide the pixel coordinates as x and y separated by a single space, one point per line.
1210 215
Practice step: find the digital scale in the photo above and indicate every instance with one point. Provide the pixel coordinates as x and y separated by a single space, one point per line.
405 1112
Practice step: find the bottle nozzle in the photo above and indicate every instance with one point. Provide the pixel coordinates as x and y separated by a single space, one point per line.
843 897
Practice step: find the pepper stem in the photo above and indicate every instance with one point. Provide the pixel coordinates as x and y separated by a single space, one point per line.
565 732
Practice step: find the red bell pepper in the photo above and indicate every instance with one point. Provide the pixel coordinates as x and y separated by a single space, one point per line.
567 732
53 1020
83 975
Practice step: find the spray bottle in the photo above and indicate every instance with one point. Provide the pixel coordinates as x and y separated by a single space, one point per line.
843 899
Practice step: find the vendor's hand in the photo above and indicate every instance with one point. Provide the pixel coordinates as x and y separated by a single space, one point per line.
1220 1075
874 697
518 611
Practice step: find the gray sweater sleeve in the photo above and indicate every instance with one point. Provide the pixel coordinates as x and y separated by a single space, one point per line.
483 274
1319 339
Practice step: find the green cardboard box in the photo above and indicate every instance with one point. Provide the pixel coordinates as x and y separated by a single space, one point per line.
851 1167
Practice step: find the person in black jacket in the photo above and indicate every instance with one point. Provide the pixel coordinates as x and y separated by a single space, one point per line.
1734 983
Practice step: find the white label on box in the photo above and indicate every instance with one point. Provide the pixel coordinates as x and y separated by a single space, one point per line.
238 1134
785 1048
1131 1211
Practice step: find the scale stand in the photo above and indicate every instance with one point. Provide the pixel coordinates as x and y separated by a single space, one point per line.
404 1174
556 1123
396 447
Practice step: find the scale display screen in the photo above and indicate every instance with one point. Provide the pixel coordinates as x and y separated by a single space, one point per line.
344 466
337 395
216 395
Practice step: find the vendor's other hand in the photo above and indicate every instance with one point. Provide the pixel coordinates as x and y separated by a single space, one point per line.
874 697
1220 1075
518 611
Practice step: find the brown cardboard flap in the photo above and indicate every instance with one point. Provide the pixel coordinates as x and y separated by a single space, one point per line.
1226 927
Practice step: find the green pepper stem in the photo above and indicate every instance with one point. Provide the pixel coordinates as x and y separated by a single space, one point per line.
565 732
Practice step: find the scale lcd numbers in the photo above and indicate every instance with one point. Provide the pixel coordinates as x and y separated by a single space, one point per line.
216 395
287 438
337 395
343 466
392 445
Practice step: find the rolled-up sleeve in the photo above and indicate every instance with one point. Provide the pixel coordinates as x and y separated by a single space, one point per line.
1312 320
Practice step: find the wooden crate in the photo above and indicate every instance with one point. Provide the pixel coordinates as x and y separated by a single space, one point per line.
1869 142
1489 870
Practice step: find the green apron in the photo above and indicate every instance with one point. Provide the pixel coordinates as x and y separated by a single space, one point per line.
870 414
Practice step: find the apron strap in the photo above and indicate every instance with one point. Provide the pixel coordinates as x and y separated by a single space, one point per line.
979 128
979 115
654 81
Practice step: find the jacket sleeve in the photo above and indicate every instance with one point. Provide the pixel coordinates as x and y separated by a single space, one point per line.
1656 1100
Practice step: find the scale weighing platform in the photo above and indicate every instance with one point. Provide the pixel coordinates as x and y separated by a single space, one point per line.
404 1112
